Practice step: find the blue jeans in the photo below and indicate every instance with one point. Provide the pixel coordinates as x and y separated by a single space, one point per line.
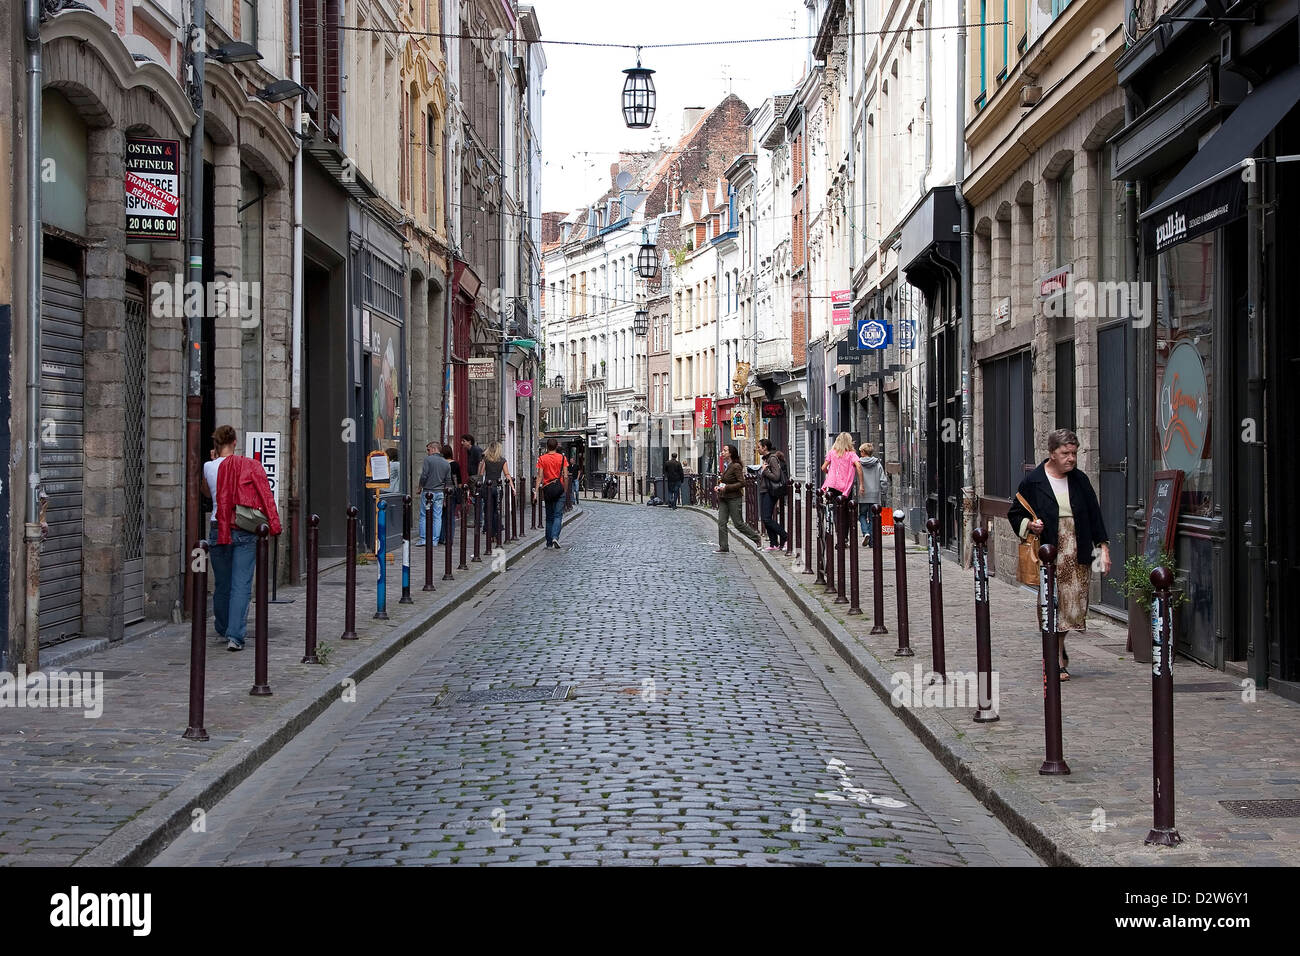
864 519
554 519
232 571
674 489
437 515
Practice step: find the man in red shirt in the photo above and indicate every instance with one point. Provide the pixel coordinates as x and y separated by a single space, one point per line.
552 477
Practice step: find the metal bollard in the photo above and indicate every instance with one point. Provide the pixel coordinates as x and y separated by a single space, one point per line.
406 551
821 540
841 510
1055 762
313 555
810 492
489 516
350 577
1162 832
464 530
446 571
877 575
261 685
791 522
900 585
477 525
828 546
986 711
198 644
428 541
381 552
796 514
854 606
936 602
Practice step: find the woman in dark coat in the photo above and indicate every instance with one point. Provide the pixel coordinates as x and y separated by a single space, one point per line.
1069 517
454 480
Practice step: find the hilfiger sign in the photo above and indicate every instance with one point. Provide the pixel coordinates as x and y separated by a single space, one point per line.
152 181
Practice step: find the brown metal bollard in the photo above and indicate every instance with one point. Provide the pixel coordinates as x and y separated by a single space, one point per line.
821 539
406 551
841 509
350 579
936 601
791 520
477 525
261 685
446 571
313 552
877 575
428 541
1163 832
986 711
900 586
854 606
489 493
464 527
198 644
810 492
1055 762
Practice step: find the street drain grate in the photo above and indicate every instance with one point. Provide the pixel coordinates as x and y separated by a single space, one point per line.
1208 688
509 695
1262 809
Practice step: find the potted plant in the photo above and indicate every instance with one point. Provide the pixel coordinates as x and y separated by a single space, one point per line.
1135 585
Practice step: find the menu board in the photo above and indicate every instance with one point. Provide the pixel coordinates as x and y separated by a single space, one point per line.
1162 513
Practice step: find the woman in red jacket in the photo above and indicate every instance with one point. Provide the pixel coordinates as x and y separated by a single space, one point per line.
235 481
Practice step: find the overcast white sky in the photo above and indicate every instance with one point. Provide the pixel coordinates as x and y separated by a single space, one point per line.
582 125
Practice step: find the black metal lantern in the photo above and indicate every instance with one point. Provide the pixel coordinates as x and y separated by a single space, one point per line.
647 257
559 382
641 323
638 96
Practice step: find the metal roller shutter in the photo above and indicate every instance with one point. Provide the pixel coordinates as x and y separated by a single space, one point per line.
62 450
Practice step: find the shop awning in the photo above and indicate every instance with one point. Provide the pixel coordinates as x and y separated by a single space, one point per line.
1209 191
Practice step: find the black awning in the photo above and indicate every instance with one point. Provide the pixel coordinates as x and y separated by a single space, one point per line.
1209 191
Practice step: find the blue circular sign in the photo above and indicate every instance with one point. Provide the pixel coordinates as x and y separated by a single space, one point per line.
872 334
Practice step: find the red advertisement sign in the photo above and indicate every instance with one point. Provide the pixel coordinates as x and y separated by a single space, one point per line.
704 413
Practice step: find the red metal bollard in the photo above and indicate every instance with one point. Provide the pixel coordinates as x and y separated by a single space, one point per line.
986 712
877 575
821 540
261 685
428 541
1163 832
900 586
936 602
313 550
851 519
464 529
350 578
198 643
1055 762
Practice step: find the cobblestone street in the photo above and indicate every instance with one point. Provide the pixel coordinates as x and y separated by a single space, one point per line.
703 727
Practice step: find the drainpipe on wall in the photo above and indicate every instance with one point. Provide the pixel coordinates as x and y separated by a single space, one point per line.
295 383
194 269
1135 340
1257 641
965 339
32 525
929 105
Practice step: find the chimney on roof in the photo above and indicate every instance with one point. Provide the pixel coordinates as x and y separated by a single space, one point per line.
690 116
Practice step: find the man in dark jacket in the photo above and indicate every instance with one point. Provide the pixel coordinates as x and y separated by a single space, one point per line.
674 476
731 499
772 483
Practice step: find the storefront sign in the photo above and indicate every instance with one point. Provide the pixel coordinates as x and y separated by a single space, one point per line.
550 397
703 413
907 334
1183 410
874 334
1213 205
844 355
152 180
1053 283
738 424
774 410
1004 310
481 370
840 306
524 388
265 447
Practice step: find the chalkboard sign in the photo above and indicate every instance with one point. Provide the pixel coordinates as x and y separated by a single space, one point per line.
1162 513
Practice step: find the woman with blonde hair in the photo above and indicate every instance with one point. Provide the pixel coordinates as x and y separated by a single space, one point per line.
841 466
494 468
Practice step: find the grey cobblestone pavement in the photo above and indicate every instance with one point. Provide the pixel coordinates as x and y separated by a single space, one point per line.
71 783
1227 746
705 727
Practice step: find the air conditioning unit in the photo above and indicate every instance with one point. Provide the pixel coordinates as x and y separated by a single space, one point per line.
1030 95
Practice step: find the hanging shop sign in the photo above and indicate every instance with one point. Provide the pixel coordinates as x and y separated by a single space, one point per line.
1183 410
703 413
524 388
482 369
874 334
841 300
152 171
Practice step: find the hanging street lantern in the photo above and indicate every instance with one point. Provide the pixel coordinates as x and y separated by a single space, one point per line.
641 323
638 96
647 257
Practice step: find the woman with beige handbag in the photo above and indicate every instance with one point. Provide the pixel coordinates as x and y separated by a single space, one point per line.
1057 503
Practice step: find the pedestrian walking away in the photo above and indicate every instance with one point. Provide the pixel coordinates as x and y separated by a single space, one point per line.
244 501
493 470
433 477
673 477
1069 517
874 482
451 495
473 456
731 499
772 484
575 479
551 475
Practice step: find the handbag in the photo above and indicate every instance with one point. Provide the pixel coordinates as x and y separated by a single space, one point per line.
1027 559
249 519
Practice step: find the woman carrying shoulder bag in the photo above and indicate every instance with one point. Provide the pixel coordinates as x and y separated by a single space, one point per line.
1069 517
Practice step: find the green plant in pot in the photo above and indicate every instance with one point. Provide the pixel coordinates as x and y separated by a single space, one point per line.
1136 582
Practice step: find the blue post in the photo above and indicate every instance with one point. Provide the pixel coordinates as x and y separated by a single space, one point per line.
381 596
406 551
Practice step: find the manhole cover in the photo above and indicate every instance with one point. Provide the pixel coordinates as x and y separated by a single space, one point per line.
1262 809
510 695
1210 688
